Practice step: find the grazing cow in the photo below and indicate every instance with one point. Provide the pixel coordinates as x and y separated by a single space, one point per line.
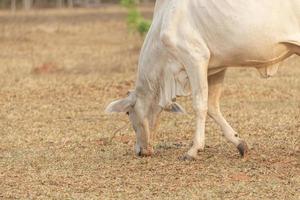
190 44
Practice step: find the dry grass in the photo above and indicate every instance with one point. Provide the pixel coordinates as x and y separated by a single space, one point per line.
58 71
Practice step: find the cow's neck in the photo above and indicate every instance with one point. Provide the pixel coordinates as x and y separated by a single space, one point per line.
160 78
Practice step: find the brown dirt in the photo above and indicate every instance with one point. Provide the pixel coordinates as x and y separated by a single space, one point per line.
58 71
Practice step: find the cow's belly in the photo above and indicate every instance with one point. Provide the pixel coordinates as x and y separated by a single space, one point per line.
250 55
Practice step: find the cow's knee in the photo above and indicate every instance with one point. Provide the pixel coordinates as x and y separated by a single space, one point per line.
200 102
200 108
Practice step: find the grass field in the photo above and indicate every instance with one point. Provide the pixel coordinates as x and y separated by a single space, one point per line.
58 71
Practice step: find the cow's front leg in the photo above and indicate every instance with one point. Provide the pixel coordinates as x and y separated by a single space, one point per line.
197 73
195 61
187 47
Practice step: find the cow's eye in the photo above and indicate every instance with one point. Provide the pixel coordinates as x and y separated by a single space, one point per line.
127 113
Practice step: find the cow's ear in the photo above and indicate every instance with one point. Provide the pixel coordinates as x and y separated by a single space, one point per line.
122 105
175 108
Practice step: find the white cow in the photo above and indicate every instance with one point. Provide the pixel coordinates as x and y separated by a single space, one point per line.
190 44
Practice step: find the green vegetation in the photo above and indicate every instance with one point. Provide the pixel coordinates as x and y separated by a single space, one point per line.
129 3
134 19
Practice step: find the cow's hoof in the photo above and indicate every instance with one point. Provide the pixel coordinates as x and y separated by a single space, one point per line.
145 152
187 157
243 149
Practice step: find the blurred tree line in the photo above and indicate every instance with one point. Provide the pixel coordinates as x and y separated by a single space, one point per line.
29 4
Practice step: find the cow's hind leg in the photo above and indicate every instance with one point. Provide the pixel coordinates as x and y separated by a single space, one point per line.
215 83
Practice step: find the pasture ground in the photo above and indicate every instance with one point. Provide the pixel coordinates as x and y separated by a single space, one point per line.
58 71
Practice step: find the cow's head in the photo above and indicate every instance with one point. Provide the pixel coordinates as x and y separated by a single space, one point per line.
143 113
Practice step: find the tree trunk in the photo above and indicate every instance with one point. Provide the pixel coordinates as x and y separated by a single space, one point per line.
60 3
70 3
27 4
86 3
13 5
